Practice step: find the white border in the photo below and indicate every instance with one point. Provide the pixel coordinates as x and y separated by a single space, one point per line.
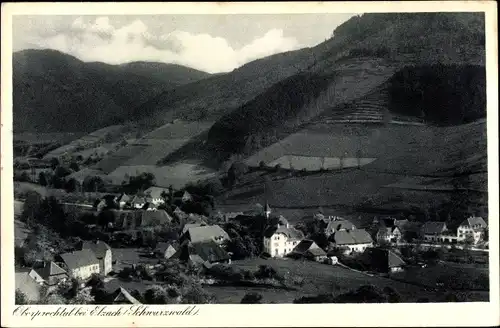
430 314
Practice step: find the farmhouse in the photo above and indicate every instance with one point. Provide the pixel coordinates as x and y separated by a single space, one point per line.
338 224
156 195
472 228
164 250
432 230
137 202
27 285
123 200
205 233
124 297
207 252
388 234
356 240
81 264
382 260
103 253
48 273
281 239
308 249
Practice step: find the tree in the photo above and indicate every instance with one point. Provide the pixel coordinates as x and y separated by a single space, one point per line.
195 294
71 185
74 166
21 298
236 171
251 298
93 184
42 179
54 162
83 297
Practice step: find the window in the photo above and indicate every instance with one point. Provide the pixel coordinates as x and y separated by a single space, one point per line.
276 244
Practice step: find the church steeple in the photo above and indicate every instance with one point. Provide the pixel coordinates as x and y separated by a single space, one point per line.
267 210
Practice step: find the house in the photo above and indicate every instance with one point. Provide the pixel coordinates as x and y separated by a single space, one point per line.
48 273
124 297
205 233
472 228
430 231
187 226
388 234
207 252
382 260
123 200
310 250
164 250
338 224
27 285
137 202
103 253
134 219
350 241
156 195
186 197
281 239
81 264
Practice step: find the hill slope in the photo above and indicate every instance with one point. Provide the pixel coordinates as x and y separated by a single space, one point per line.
371 53
54 91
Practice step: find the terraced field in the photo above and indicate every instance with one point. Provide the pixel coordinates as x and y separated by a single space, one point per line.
86 141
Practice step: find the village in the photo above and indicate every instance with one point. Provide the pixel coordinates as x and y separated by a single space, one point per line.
147 238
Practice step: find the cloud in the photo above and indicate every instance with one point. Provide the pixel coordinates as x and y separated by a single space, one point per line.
101 41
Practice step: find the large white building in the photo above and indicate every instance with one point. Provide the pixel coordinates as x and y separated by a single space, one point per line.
472 228
281 239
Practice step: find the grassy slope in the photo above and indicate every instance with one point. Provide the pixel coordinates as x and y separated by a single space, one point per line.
319 278
350 76
404 154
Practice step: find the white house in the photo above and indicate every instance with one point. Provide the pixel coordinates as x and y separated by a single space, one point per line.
472 228
388 234
352 241
103 253
281 239
432 230
154 195
81 264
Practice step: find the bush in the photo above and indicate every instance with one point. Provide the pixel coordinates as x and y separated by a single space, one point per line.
251 298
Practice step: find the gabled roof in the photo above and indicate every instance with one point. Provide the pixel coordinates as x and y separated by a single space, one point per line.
50 270
388 230
158 216
27 285
99 248
472 221
352 237
138 200
338 225
187 226
123 198
155 192
206 251
124 296
290 232
316 252
433 227
186 195
79 259
382 258
205 233
161 247
304 246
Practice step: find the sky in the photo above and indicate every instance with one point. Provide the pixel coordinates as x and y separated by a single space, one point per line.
211 43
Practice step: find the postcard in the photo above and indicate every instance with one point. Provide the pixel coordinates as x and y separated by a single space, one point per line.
250 164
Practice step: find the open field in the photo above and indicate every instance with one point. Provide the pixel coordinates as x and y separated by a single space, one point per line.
87 140
319 278
177 174
43 138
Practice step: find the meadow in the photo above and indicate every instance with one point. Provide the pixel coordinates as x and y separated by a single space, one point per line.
318 279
